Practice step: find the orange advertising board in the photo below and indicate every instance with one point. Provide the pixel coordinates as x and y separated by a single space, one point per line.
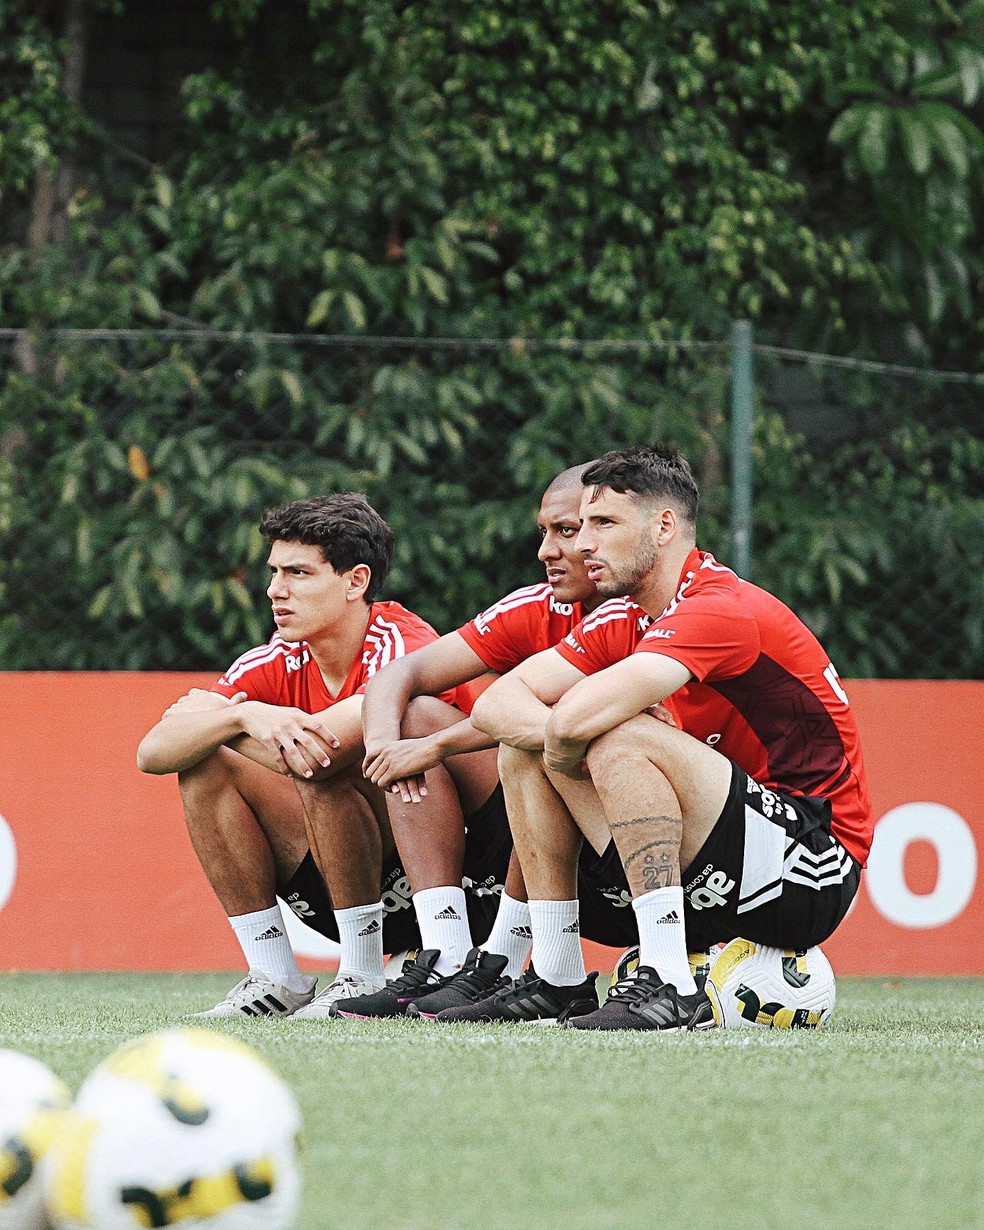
97 872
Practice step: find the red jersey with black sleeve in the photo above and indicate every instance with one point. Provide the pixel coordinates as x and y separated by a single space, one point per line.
523 623
284 673
763 693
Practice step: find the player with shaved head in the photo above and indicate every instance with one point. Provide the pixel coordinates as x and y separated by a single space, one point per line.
745 814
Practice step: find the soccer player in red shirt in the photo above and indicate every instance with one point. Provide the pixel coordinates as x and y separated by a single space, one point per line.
746 813
294 803
521 624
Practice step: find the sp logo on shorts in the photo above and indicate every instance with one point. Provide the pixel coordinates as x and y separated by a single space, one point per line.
712 893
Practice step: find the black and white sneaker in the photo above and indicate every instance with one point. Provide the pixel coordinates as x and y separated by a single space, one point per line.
530 1000
644 1001
416 979
479 977
258 995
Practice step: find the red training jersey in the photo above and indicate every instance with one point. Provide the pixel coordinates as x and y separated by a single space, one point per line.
763 693
519 625
284 673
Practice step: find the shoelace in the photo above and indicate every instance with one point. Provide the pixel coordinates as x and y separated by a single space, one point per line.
243 991
410 979
345 986
636 990
519 987
473 979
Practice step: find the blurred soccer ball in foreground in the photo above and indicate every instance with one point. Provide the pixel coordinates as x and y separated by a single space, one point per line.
181 1128
32 1102
771 988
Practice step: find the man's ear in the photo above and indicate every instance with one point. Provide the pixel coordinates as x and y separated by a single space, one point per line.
359 577
667 526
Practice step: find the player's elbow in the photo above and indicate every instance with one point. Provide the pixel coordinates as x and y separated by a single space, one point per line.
151 756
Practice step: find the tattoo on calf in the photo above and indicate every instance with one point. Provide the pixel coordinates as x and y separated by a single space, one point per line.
658 861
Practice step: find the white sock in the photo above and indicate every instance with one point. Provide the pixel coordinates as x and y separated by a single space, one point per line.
511 935
662 939
442 914
263 938
360 937
557 955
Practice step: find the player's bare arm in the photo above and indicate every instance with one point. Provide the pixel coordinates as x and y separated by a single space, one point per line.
392 761
601 702
280 738
428 671
405 758
515 709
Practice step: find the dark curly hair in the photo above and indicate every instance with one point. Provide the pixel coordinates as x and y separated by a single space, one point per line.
649 471
345 527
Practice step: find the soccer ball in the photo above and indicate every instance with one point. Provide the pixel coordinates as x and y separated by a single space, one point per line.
32 1102
183 1127
771 988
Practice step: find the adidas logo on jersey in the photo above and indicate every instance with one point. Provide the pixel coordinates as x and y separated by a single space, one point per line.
523 933
448 913
272 933
371 929
573 929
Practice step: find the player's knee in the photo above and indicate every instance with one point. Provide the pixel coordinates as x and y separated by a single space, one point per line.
514 761
426 714
618 746
209 775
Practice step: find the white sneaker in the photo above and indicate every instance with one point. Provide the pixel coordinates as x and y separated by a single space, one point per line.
256 995
345 986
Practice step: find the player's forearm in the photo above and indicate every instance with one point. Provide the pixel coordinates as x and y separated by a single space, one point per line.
385 701
180 741
510 712
460 738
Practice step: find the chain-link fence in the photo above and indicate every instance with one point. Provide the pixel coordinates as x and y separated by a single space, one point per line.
134 467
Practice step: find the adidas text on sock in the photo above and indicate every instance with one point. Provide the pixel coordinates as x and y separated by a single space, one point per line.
557 956
442 914
360 937
662 938
262 936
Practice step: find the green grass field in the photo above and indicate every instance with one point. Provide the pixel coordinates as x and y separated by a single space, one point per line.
876 1121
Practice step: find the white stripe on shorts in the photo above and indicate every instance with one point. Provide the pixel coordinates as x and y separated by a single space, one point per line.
771 858
811 870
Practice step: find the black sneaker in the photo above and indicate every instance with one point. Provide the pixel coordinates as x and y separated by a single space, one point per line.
479 977
417 978
531 1000
644 1001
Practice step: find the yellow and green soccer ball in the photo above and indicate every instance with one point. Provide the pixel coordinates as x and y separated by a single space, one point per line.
32 1103
180 1128
753 986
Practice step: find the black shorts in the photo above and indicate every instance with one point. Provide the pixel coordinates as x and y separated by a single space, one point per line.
770 871
488 844
605 903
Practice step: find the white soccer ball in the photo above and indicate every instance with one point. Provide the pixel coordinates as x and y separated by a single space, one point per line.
32 1102
752 985
183 1127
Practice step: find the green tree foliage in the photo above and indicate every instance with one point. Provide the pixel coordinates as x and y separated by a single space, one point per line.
569 175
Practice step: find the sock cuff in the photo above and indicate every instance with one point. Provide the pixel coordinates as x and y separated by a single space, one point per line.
355 913
442 895
548 909
669 896
256 918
